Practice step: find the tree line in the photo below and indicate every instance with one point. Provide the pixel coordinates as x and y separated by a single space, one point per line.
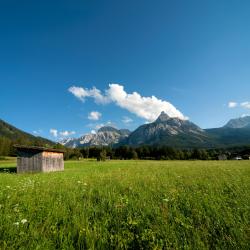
125 152
7 144
146 152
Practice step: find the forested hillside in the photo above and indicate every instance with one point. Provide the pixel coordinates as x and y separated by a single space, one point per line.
10 135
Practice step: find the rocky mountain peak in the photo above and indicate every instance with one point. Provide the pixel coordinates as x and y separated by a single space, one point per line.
105 136
162 117
107 129
169 131
242 122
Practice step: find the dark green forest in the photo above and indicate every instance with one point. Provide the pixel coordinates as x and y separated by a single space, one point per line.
10 135
156 153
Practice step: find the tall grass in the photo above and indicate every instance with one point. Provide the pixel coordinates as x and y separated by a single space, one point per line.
128 205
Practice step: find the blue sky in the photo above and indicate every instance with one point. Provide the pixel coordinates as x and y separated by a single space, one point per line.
191 55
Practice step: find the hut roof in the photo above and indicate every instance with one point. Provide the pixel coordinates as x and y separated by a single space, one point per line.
38 149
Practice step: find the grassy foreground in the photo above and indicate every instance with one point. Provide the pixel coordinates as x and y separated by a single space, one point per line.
127 205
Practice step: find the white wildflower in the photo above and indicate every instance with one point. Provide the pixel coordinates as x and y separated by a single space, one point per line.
16 209
24 221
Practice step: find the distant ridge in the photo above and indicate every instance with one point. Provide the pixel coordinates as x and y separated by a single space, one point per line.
242 122
16 136
105 136
169 131
235 133
165 130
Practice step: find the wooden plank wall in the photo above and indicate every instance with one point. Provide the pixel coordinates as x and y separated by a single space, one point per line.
52 161
39 162
29 162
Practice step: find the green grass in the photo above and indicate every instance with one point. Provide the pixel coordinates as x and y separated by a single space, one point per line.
128 205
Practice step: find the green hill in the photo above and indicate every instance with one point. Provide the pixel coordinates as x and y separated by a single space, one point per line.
230 137
10 135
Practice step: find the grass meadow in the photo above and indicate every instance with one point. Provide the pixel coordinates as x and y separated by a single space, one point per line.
127 205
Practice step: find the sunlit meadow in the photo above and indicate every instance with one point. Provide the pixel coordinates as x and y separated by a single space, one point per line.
127 205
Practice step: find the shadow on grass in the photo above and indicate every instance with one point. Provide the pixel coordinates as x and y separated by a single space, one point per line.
7 170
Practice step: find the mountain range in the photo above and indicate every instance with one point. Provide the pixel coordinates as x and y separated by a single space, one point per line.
164 130
104 136
172 132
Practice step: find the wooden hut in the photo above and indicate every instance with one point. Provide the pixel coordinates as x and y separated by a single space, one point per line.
39 159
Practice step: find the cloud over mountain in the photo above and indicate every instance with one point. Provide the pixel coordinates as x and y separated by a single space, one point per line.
148 108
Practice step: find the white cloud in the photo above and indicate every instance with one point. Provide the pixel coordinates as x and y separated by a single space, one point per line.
148 108
95 93
126 120
78 92
93 132
54 132
94 115
245 105
232 104
67 133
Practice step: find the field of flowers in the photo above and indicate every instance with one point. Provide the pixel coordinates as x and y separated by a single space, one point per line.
127 205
